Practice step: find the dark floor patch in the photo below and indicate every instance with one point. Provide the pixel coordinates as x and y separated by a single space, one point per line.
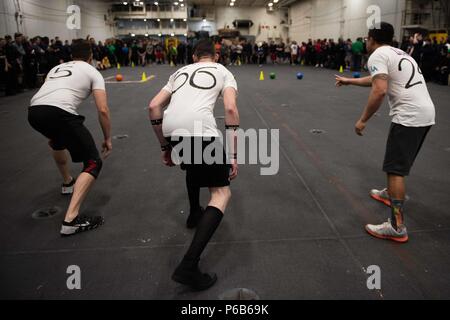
317 131
120 136
46 213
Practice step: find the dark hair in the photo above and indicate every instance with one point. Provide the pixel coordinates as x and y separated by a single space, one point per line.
204 48
81 50
384 34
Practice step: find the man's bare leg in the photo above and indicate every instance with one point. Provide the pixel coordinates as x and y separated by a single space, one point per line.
219 198
396 186
61 160
396 190
81 189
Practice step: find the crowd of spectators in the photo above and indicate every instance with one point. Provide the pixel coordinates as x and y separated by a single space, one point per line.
433 56
25 62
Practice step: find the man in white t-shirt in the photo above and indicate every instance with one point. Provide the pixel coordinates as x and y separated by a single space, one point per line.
294 52
191 94
53 113
396 74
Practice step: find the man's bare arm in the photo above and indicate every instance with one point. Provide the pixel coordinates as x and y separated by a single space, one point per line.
231 123
104 119
361 82
230 104
160 101
377 94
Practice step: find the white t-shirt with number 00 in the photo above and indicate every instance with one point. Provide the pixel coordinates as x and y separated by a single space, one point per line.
408 96
195 89
67 85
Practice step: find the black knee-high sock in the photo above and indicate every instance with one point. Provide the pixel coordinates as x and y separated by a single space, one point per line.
205 229
194 197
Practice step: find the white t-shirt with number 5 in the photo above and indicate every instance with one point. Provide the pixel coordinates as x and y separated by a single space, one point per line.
408 96
67 85
195 89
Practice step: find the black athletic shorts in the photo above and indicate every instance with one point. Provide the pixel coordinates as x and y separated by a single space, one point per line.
402 148
205 173
65 131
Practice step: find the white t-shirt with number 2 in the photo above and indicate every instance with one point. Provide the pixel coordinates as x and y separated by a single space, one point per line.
408 96
195 89
67 85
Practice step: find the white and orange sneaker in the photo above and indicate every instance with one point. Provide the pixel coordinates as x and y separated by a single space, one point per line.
382 196
387 231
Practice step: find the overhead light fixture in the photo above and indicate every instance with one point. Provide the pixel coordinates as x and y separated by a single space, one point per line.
233 0
232 4
159 34
125 3
270 4
182 5
204 19
145 19
133 35
172 34
146 34
155 3
275 1
181 0
184 19
158 19
185 34
175 3
171 20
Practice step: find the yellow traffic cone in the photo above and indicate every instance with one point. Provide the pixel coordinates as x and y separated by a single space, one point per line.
341 70
144 77
261 76
118 66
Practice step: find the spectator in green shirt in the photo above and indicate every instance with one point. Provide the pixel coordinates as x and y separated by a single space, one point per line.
357 51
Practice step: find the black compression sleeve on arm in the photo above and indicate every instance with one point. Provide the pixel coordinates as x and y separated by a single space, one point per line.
156 122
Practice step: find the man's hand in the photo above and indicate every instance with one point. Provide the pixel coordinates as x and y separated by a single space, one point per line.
166 157
359 127
234 169
106 148
341 81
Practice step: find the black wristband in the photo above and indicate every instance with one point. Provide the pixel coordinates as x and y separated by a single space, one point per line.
232 126
156 122
166 147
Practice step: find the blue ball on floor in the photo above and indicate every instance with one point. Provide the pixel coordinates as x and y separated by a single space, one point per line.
300 76
356 75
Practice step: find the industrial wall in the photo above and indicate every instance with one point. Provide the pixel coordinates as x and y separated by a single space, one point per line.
48 18
340 18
